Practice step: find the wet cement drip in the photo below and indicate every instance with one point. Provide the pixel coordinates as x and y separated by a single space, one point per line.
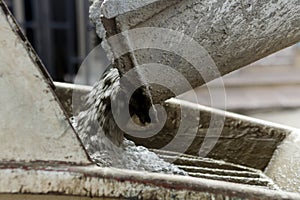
104 140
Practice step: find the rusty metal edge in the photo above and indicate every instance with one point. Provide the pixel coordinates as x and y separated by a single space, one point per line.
93 181
46 197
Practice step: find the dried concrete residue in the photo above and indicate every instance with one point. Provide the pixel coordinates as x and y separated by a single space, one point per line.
95 16
114 8
103 148
284 167
32 123
110 9
239 28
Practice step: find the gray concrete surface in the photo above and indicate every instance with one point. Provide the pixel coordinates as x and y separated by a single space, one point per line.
233 33
33 125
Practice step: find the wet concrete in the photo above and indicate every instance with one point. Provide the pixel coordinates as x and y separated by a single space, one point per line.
246 141
227 30
49 177
103 138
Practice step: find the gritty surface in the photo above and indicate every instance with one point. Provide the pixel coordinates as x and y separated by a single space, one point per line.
284 168
227 30
32 124
102 137
95 182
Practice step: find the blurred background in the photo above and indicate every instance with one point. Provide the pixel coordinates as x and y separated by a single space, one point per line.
268 89
60 32
62 35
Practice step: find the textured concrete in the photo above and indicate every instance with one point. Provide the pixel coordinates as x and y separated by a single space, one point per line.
243 140
46 197
284 167
246 141
33 126
92 181
234 33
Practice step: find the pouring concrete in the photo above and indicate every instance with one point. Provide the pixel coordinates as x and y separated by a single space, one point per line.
232 34
41 154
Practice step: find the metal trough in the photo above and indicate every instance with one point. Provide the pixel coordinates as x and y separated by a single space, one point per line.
42 158
249 143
